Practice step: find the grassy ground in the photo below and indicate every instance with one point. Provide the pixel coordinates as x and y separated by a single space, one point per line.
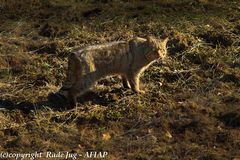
191 106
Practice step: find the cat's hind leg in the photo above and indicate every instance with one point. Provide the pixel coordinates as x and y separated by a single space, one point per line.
73 71
80 88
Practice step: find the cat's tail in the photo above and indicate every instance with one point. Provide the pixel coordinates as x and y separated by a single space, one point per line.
62 95
71 74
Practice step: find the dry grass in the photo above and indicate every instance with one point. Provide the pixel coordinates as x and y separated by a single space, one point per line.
191 108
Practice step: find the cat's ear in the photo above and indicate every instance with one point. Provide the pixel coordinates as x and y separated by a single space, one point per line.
165 40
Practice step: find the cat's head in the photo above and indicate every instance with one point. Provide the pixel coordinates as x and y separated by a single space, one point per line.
157 48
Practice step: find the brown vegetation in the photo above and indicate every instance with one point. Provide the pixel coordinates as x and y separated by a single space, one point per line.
190 109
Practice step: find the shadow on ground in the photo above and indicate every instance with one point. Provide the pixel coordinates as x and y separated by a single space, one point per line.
26 106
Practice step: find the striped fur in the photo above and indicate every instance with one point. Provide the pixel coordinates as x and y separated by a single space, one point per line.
126 58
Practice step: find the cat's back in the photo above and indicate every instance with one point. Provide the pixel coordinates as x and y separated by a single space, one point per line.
103 50
105 46
138 40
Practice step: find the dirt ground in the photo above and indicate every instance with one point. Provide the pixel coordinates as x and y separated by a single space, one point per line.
191 109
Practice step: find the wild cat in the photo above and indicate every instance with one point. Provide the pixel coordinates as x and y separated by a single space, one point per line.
126 58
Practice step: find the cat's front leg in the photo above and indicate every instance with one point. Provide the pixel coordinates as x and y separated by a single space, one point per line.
125 82
134 83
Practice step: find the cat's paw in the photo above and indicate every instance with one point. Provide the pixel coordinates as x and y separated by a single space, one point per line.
139 91
72 102
57 101
56 98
